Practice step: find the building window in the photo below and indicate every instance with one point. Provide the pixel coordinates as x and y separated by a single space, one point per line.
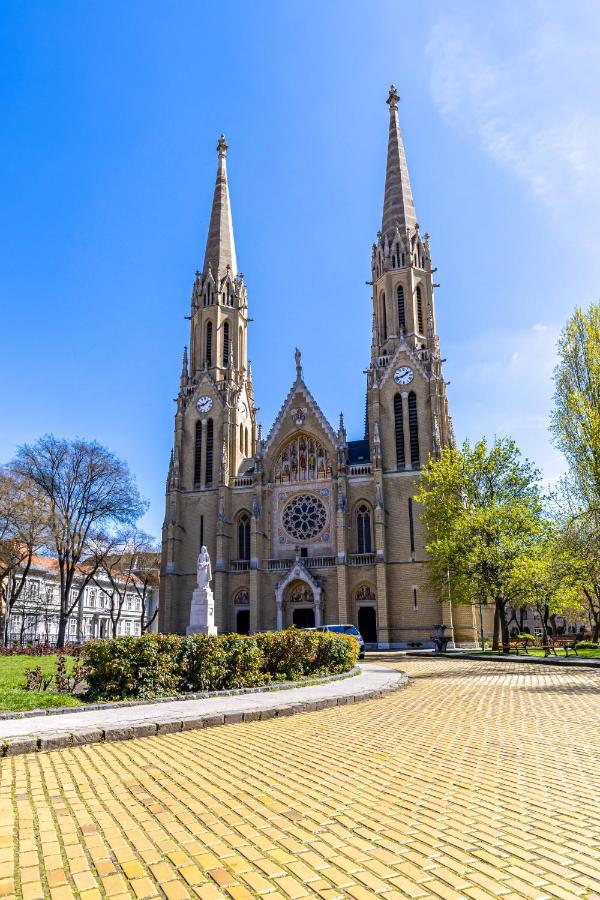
399 432
246 442
420 310
411 525
415 604
401 312
241 438
198 453
413 427
363 529
225 345
208 344
383 319
302 459
208 471
240 348
244 536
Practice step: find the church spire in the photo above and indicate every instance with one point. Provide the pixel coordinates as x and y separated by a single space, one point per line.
398 205
220 246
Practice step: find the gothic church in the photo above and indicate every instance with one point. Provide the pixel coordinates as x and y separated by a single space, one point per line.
305 526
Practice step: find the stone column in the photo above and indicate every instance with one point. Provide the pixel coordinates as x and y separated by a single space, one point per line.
279 602
317 607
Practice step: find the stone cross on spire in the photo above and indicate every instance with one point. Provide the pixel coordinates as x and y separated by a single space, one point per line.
220 245
398 205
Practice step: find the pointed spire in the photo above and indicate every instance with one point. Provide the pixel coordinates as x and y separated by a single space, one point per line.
220 246
184 369
398 205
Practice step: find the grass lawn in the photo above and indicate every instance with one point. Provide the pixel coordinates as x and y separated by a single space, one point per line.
14 697
584 653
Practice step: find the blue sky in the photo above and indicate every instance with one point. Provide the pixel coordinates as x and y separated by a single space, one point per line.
110 116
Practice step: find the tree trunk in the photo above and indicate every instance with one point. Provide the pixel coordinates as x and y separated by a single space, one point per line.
496 637
62 627
501 607
596 631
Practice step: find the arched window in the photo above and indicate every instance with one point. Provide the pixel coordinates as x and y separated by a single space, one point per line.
198 454
399 432
363 529
420 311
240 348
207 294
208 471
302 459
413 427
243 535
401 313
225 345
383 319
241 438
208 344
246 442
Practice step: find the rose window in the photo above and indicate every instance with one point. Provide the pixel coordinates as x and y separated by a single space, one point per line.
304 517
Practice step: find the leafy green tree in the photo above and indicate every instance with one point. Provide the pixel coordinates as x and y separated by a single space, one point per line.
576 416
544 578
482 510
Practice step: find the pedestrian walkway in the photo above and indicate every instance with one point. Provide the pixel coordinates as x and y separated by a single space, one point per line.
478 781
48 732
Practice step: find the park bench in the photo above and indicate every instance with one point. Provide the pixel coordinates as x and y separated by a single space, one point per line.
567 642
521 644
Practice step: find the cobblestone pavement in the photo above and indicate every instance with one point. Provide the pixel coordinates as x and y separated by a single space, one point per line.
479 780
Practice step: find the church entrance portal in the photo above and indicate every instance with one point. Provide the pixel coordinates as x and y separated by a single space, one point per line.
242 621
303 617
367 624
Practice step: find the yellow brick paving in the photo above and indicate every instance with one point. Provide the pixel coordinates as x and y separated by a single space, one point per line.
479 780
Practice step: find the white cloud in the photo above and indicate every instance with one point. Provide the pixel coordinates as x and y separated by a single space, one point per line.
523 79
506 382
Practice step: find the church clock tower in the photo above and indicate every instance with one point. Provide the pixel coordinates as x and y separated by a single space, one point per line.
407 410
215 420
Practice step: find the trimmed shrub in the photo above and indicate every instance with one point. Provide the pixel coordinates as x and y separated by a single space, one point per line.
213 663
125 667
155 665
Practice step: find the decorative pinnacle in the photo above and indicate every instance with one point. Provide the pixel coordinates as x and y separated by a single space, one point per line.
393 97
222 146
298 359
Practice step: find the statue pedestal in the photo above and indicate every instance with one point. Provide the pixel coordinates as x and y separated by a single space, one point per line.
202 612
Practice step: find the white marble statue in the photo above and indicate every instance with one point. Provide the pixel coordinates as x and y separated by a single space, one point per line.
202 609
203 569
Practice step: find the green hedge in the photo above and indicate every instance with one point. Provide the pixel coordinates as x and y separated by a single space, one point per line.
155 665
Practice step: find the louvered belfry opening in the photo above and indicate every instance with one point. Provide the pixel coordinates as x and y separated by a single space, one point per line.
399 432
413 425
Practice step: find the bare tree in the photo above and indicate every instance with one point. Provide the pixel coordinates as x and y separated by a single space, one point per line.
23 530
87 491
125 571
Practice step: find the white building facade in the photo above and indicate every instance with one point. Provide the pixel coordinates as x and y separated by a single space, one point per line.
99 613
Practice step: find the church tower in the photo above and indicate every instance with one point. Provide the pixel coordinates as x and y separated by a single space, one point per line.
215 420
407 410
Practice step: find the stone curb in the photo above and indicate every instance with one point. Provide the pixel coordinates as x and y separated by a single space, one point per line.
180 698
57 740
560 662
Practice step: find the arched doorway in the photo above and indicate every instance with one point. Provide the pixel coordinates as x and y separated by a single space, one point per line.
299 600
241 608
366 613
242 621
298 597
367 624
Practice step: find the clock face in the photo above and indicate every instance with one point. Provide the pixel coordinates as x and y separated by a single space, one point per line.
243 410
403 375
204 404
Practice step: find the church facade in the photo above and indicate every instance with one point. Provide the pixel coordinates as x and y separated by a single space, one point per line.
303 526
